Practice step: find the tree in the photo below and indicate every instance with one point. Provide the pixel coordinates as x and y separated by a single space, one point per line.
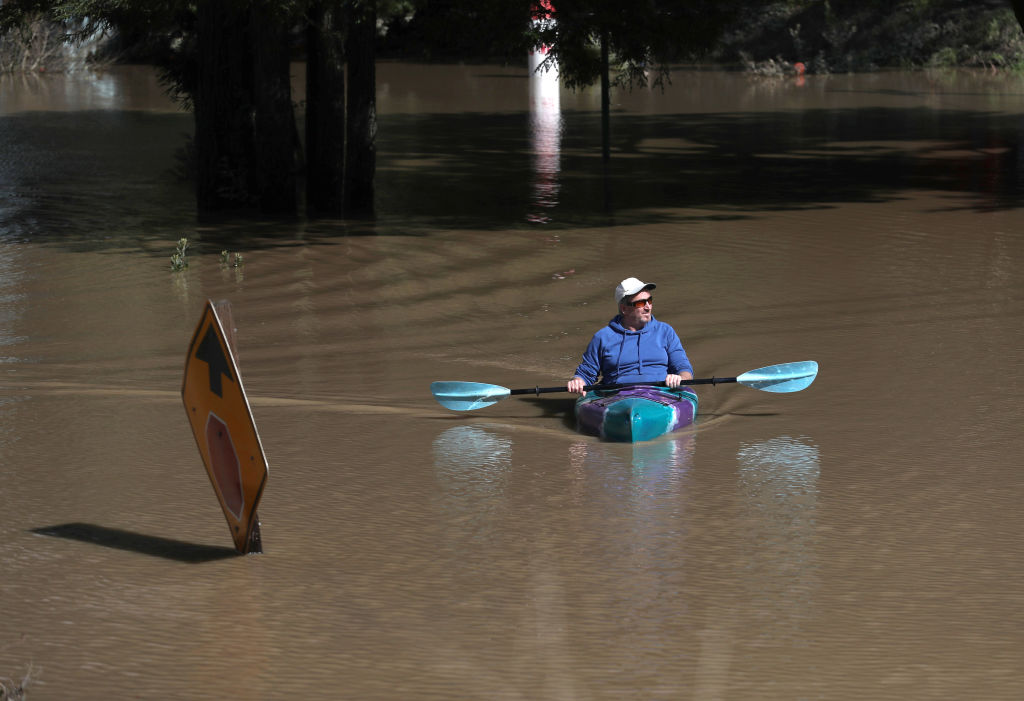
584 37
456 30
231 67
341 107
361 116
325 109
244 123
1018 10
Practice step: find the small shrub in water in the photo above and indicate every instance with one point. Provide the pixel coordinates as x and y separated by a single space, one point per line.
229 261
11 690
179 259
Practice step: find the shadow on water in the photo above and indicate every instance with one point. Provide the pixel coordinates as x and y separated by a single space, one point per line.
137 542
102 179
739 163
714 415
562 408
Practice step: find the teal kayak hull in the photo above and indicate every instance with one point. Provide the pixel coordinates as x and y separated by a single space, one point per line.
635 414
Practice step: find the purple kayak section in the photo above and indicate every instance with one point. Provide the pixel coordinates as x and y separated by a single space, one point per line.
635 413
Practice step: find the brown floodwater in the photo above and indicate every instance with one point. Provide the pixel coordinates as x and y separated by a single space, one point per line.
860 539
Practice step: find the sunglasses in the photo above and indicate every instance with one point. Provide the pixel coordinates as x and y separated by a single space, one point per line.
639 303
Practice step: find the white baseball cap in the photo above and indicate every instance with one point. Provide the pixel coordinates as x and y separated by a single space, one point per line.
631 286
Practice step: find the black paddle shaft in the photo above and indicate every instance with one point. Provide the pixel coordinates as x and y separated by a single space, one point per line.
546 390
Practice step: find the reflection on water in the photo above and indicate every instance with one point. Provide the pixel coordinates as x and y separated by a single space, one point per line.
501 555
797 458
652 466
545 137
12 298
659 463
115 88
778 481
472 466
8 436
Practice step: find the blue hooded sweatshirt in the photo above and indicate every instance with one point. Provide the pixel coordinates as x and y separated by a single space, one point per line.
620 355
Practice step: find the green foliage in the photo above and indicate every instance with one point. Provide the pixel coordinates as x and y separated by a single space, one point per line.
15 13
118 23
35 45
643 38
865 35
946 57
455 30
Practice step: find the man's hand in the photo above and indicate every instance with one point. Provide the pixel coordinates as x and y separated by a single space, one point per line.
674 381
576 385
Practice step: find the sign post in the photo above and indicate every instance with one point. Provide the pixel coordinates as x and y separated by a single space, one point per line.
225 432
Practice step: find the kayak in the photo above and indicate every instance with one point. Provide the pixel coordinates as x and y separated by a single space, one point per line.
634 414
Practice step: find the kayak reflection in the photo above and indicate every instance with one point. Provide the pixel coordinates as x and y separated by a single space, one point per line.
635 468
472 462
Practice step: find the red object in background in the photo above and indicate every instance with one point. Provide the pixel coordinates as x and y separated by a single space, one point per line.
543 9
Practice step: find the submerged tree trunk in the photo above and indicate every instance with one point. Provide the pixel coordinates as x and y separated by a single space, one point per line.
606 101
325 110
273 123
245 125
361 154
222 107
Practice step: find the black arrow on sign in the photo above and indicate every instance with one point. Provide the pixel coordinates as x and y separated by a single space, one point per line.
210 352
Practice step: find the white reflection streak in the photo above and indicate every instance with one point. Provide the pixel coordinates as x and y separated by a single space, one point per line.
545 135
660 463
779 482
471 466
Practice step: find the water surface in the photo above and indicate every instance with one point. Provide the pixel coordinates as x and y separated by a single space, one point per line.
859 539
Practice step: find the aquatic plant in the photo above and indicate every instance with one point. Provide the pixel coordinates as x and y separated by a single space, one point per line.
229 261
11 690
179 259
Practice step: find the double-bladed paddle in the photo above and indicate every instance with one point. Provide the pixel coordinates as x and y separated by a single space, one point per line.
466 396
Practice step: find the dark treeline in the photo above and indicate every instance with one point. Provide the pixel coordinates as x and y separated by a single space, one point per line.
247 151
850 36
228 60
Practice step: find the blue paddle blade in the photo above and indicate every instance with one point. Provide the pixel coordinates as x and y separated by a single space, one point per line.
467 396
787 377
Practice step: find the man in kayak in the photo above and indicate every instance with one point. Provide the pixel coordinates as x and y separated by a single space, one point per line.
634 346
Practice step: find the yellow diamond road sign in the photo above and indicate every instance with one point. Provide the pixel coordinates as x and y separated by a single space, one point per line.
224 429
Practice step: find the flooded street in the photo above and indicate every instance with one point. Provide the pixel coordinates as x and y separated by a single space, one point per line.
856 540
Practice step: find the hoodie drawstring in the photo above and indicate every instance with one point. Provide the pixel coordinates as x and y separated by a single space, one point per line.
639 355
